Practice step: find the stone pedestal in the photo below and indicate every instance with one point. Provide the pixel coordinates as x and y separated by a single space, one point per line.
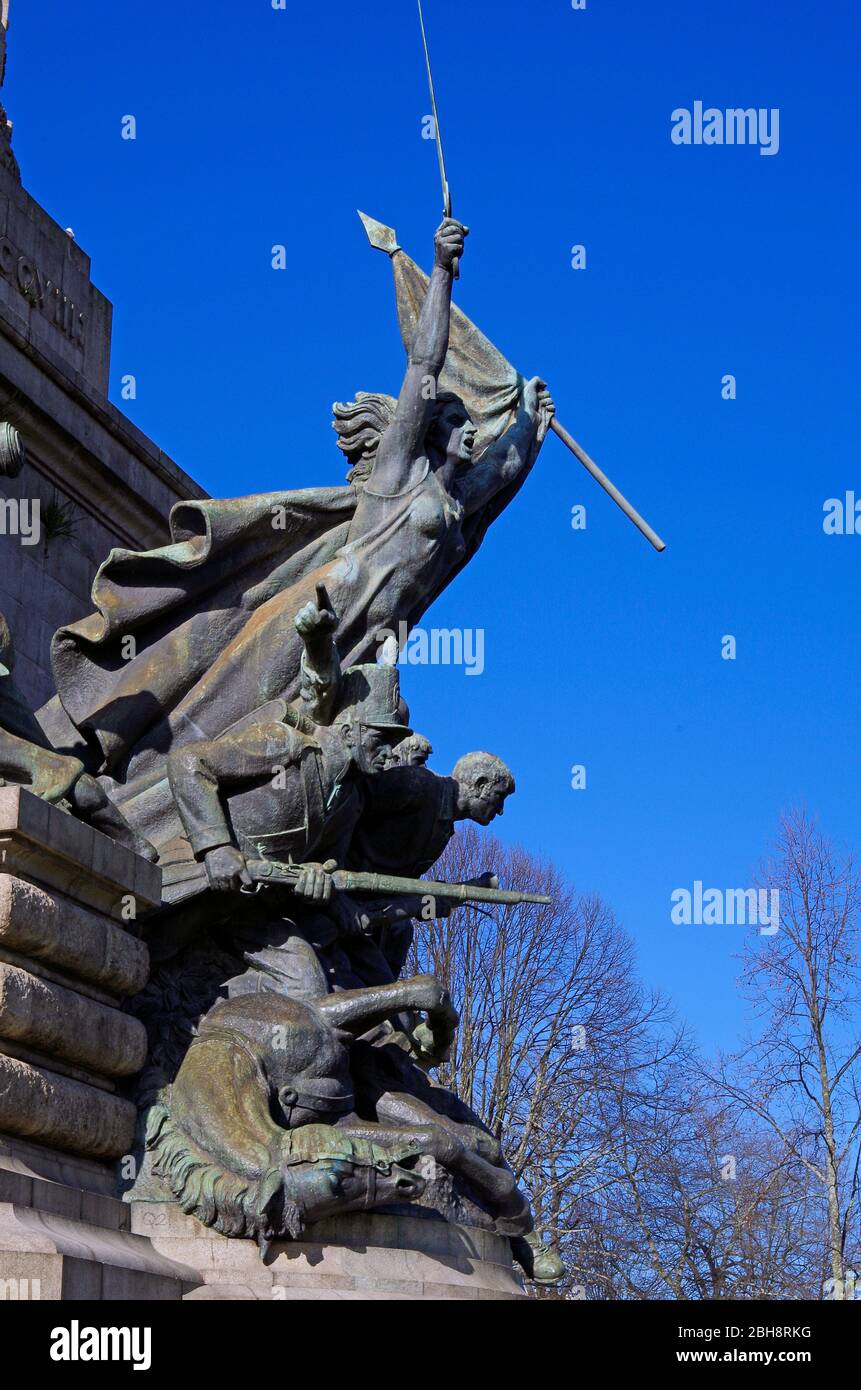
64 1239
69 902
67 896
65 1236
67 959
370 1256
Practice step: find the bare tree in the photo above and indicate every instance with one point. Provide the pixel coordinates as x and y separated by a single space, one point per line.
551 1009
654 1183
706 1205
800 1074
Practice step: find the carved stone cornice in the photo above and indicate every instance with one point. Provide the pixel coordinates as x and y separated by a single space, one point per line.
7 154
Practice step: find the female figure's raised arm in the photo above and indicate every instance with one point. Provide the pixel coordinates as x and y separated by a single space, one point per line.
402 441
514 453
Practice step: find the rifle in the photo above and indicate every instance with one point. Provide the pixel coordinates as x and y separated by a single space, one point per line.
269 871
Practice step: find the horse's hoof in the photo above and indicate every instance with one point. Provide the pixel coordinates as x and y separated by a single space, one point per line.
539 1261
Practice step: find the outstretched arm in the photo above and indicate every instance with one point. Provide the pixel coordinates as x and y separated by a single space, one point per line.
513 455
404 437
320 670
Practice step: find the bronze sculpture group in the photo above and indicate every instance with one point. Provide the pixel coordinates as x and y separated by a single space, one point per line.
224 710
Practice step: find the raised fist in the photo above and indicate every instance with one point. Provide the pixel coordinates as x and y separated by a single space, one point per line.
539 403
449 242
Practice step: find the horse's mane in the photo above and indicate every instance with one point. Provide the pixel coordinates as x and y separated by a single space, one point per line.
232 1205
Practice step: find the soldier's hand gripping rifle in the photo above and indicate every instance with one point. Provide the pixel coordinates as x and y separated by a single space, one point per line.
275 874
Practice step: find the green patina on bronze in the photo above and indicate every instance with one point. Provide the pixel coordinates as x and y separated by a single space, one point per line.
227 703
28 760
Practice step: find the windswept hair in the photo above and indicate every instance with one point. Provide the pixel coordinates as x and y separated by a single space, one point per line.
233 1204
360 425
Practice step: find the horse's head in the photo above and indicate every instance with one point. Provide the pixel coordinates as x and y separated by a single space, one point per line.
345 1184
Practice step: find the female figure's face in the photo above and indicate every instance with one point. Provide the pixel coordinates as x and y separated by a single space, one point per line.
454 434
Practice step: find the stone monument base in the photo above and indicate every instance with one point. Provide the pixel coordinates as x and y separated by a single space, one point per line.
67 962
367 1255
65 1237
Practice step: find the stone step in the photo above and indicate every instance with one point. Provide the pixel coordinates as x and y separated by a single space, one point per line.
359 1255
72 1203
233 1293
31 1160
50 1257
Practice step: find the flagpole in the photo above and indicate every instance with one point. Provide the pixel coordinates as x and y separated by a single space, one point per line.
384 238
610 488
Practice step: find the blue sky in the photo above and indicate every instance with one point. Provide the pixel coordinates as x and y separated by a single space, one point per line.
258 127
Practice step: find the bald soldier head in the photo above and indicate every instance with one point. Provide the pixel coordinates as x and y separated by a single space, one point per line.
483 782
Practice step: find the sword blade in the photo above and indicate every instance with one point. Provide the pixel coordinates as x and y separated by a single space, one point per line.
446 191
